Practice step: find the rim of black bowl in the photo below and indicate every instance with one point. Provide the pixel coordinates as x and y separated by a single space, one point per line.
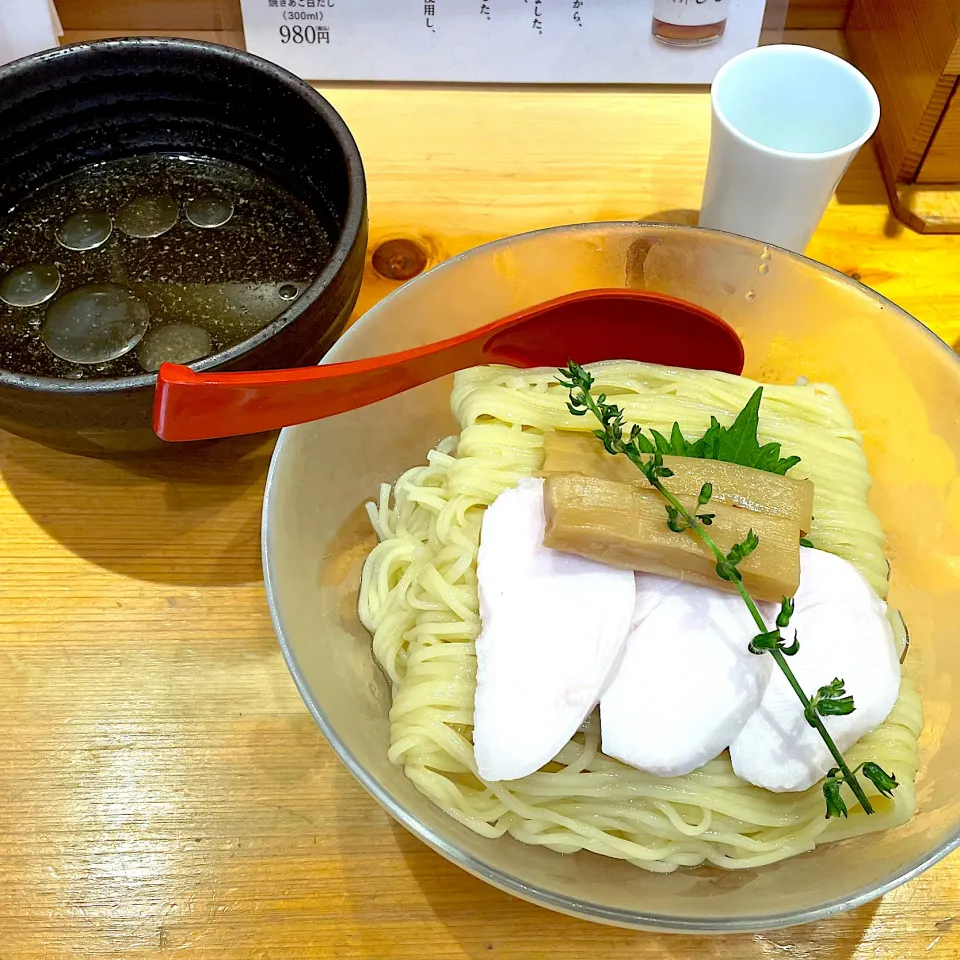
352 221
637 919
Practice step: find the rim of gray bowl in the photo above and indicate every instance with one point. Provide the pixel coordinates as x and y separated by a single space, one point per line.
634 919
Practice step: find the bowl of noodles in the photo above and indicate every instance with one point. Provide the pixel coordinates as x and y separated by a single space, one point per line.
373 521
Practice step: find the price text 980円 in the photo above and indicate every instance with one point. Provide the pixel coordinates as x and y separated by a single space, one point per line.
306 34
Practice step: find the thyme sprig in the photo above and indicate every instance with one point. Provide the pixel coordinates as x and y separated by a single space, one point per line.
829 700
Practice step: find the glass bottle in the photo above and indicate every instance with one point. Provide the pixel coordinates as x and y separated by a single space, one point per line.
689 23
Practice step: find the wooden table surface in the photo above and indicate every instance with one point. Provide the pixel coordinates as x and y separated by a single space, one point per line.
163 790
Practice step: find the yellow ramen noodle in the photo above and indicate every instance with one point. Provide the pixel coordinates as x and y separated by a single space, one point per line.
419 600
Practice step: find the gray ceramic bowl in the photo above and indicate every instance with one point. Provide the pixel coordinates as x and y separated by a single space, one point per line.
901 384
90 102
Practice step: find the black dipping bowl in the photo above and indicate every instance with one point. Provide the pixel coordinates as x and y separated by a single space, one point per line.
67 108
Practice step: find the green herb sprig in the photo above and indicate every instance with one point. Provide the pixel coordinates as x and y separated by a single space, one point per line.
736 444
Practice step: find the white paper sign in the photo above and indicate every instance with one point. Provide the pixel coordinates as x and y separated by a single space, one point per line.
488 41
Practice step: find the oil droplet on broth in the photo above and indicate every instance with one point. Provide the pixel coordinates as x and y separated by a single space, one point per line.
765 253
85 230
209 211
764 269
226 282
229 312
749 296
30 284
95 323
147 217
173 343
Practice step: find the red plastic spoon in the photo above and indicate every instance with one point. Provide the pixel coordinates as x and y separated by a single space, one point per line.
588 326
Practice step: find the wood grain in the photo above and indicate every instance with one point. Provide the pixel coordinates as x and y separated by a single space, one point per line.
942 161
818 14
904 46
928 207
953 61
229 38
144 16
163 791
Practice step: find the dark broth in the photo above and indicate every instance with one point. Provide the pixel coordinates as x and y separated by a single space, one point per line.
223 282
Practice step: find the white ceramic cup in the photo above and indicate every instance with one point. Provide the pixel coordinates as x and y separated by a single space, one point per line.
787 121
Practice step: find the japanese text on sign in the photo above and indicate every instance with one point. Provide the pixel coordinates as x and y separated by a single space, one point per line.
487 41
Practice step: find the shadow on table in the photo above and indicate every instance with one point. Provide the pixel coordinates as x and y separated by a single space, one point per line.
682 215
862 184
485 922
185 521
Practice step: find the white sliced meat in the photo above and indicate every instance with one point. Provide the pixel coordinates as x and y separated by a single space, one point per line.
843 632
554 626
651 589
826 578
687 682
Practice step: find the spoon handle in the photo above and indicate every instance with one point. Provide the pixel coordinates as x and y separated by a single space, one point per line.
202 406
589 325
